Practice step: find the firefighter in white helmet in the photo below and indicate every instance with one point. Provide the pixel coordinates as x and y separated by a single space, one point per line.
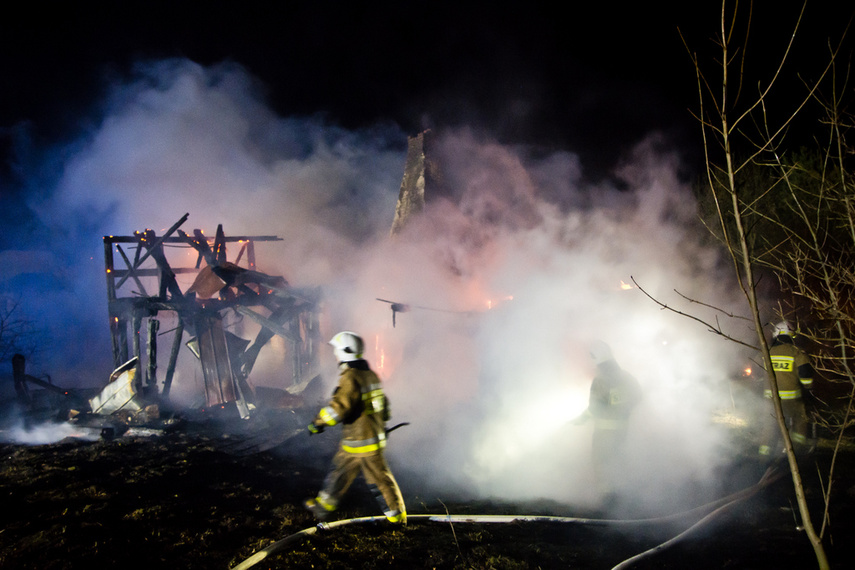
359 404
794 376
614 395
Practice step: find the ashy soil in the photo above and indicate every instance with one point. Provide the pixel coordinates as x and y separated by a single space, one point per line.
186 499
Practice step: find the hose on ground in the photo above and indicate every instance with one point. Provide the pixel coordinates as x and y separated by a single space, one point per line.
718 507
771 475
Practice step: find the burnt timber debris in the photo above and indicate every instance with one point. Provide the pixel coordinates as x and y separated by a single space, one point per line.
422 181
142 284
40 402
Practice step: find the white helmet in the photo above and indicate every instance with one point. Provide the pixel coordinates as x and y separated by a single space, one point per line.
600 352
347 346
782 328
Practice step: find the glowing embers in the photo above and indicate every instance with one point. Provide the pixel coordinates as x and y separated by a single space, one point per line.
220 289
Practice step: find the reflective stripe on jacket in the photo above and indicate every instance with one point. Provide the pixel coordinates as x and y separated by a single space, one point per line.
792 370
785 394
360 405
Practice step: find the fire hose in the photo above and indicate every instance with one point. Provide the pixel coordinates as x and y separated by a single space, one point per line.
715 508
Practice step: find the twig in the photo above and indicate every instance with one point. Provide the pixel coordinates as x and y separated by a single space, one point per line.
453 533
711 328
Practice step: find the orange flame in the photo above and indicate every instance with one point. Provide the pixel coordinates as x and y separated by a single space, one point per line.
491 303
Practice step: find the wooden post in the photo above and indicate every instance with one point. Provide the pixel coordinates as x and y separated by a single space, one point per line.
122 340
220 246
136 323
250 254
151 375
111 297
173 357
19 372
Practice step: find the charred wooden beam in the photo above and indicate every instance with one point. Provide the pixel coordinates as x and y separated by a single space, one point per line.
173 357
167 276
123 341
151 355
250 355
250 253
108 266
266 322
240 253
136 323
220 246
423 180
150 272
200 244
158 242
21 378
183 238
131 270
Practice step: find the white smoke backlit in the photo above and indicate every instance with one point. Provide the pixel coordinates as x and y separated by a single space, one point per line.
507 279
46 433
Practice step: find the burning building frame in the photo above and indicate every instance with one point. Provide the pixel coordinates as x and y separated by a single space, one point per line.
220 286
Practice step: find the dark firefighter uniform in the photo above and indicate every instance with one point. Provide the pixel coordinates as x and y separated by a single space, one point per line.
360 405
794 375
613 396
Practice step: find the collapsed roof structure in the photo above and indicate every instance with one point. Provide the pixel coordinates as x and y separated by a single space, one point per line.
220 286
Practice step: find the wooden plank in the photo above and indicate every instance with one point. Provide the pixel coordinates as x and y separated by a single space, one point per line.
220 386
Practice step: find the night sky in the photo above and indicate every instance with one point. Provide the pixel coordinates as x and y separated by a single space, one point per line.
591 78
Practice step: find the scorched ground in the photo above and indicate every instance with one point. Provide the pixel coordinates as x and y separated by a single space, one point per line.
185 499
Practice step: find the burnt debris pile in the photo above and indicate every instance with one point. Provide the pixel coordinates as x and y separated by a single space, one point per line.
221 316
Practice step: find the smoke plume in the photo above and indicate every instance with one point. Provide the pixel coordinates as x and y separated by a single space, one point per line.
507 279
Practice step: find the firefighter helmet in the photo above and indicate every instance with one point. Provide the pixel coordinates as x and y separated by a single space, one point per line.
347 346
782 328
600 352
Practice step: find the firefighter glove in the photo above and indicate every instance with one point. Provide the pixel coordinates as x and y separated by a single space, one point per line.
313 429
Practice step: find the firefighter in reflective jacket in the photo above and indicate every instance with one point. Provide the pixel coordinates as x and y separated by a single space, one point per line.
794 375
359 404
614 394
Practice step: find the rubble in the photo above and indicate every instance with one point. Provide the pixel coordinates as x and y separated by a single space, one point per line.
219 286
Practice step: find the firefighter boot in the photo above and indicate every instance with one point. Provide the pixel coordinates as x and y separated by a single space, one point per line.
321 513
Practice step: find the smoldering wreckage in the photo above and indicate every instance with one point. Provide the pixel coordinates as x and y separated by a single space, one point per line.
246 421
132 399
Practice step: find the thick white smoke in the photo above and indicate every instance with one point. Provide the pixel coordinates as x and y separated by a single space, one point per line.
507 279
